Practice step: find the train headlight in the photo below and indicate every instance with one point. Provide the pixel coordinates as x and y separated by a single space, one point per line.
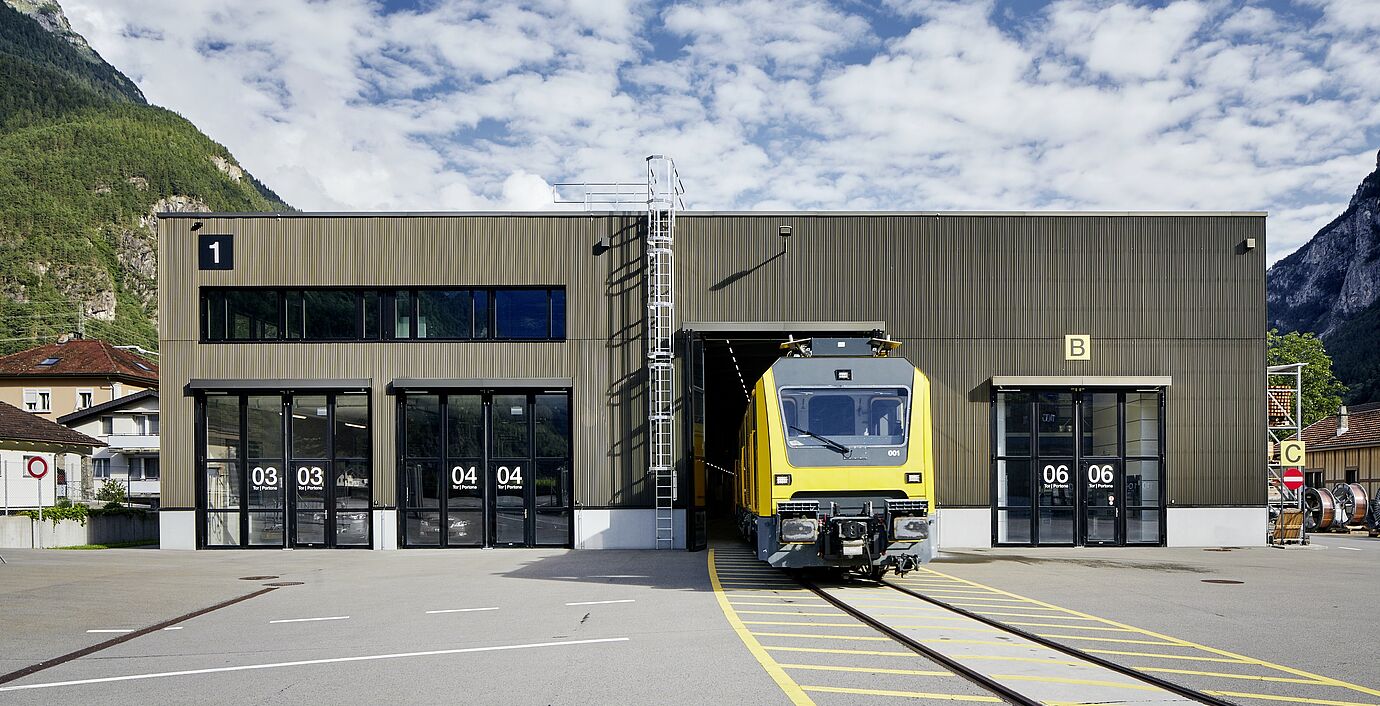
910 529
914 478
799 530
782 479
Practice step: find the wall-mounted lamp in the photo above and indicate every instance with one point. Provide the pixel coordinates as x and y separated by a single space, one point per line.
785 232
1248 245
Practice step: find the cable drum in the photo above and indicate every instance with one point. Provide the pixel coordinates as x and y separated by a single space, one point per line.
1319 508
1352 504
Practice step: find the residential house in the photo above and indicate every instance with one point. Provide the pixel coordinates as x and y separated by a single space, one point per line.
72 374
54 452
1345 448
128 427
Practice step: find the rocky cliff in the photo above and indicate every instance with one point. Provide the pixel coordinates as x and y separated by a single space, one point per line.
1331 286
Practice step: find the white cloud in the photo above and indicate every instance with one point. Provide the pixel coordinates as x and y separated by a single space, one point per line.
924 104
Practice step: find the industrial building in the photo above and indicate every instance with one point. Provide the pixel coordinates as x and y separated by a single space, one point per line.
575 379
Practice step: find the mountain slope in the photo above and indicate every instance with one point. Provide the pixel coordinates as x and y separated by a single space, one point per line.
85 162
1331 286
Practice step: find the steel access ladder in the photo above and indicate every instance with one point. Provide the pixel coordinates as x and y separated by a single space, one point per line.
664 192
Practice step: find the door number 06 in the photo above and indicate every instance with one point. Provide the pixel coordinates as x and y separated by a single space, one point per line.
1101 474
1056 474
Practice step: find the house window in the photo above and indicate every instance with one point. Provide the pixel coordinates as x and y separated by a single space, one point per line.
1313 479
150 468
85 398
146 424
36 400
107 426
1352 475
100 468
136 468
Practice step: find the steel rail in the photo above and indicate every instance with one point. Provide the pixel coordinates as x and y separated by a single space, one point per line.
982 680
1165 684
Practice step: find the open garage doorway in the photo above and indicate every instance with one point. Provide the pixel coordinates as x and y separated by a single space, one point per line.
723 361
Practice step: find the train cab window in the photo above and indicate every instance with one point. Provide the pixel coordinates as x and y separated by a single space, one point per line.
832 414
887 420
853 417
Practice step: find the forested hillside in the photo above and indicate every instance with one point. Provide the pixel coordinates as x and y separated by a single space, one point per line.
85 162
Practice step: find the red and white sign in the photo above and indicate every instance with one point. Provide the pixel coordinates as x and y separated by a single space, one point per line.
36 466
1293 478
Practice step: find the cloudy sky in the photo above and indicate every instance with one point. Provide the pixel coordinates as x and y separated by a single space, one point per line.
776 104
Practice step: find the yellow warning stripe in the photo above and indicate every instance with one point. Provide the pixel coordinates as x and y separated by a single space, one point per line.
780 603
1109 639
804 623
778 675
1157 655
1290 699
1037 660
825 636
871 670
903 694
1224 675
1205 648
1066 626
787 612
838 651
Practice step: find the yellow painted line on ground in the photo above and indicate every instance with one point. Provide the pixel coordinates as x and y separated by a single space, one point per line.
1080 682
1070 627
1037 660
1213 650
780 603
1158 655
998 605
971 598
955 618
1041 615
837 651
871 670
787 612
804 623
903 694
1272 697
946 627
1224 675
1110 639
778 675
825 636
961 641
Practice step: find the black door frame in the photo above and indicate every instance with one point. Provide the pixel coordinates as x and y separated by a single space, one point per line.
488 485
1078 464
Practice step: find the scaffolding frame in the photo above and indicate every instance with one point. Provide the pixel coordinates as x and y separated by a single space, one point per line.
1284 421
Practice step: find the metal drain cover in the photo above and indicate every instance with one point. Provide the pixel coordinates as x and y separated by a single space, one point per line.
257 578
299 583
1223 581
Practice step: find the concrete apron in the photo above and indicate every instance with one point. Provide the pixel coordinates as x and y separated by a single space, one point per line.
1042 673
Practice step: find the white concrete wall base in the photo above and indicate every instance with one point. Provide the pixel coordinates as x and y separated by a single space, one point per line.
385 529
177 529
1216 526
964 528
623 529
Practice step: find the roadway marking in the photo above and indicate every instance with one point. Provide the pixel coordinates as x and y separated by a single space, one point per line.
309 620
308 662
774 670
625 600
829 651
1078 682
824 636
1290 699
903 694
458 610
1224 675
1351 549
175 627
870 670
1225 656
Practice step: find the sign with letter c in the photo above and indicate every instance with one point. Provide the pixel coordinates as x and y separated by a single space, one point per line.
1292 453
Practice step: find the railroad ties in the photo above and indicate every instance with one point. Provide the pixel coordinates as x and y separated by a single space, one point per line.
935 638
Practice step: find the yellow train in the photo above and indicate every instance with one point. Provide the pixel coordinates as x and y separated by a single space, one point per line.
835 459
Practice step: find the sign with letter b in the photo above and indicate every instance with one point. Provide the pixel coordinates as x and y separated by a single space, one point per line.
1077 346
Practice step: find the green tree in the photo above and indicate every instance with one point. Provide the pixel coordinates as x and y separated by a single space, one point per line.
1322 391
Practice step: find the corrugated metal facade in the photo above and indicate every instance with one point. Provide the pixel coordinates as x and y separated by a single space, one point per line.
971 296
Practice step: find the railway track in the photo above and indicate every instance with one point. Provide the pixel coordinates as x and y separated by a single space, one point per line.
1017 666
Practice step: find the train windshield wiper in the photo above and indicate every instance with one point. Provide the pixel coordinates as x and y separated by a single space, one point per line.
827 441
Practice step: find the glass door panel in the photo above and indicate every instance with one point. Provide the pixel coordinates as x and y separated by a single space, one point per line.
465 464
1102 501
1056 501
510 467
309 500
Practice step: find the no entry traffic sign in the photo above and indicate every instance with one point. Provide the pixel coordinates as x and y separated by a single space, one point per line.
36 466
1293 478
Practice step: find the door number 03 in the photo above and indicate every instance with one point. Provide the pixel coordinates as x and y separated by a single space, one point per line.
310 477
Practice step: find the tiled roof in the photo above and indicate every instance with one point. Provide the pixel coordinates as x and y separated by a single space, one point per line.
1363 429
18 425
78 357
82 415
